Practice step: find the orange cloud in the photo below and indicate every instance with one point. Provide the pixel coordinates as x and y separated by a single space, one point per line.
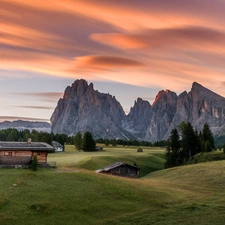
33 61
131 18
133 15
24 37
98 63
119 40
148 43
184 37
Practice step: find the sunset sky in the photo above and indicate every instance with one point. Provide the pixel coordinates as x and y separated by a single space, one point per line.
129 48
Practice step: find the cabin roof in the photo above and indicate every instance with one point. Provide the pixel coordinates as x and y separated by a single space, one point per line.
26 146
114 165
57 144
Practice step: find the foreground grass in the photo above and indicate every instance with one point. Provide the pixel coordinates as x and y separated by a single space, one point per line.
75 194
191 194
151 159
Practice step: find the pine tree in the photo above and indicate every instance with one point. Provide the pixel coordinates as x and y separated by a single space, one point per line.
106 142
114 142
88 142
208 136
188 141
173 157
78 141
198 141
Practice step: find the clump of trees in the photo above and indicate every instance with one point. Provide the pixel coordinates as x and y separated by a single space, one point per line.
85 143
185 142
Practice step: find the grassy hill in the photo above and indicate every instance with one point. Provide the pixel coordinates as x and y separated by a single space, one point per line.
206 157
74 194
151 159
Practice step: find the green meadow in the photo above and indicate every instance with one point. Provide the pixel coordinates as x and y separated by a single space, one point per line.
151 159
74 194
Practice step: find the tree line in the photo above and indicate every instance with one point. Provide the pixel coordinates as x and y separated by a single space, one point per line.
12 134
185 142
115 142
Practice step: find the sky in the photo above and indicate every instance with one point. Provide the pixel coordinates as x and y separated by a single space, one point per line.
129 48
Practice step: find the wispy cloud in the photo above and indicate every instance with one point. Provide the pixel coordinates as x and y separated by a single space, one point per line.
199 38
159 43
33 107
42 96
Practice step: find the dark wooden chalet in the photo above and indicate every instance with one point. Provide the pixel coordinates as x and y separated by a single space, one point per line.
121 169
22 153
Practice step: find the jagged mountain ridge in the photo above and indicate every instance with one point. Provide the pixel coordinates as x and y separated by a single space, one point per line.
22 125
82 108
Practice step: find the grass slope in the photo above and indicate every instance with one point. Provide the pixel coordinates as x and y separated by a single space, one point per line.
192 194
206 157
150 160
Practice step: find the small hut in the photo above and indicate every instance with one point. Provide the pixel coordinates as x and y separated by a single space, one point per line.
58 147
140 150
98 148
121 169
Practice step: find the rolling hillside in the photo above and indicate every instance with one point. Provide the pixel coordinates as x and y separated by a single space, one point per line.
192 194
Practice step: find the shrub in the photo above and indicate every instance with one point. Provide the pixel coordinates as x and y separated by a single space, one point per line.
34 164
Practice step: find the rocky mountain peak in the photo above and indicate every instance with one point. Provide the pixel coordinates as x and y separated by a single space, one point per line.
198 90
164 98
84 109
159 96
139 100
139 117
80 86
140 104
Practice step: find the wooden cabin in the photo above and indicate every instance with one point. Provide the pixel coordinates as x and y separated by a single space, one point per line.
22 153
121 169
58 147
98 148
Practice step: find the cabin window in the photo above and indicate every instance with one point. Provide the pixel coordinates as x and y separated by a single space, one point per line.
8 153
38 154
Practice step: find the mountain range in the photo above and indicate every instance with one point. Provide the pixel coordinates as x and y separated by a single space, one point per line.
22 125
84 109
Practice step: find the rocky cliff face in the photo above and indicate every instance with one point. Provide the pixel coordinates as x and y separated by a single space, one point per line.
200 106
139 118
164 109
82 108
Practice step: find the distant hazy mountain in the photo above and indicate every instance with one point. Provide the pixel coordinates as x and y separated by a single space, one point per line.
22 125
82 108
